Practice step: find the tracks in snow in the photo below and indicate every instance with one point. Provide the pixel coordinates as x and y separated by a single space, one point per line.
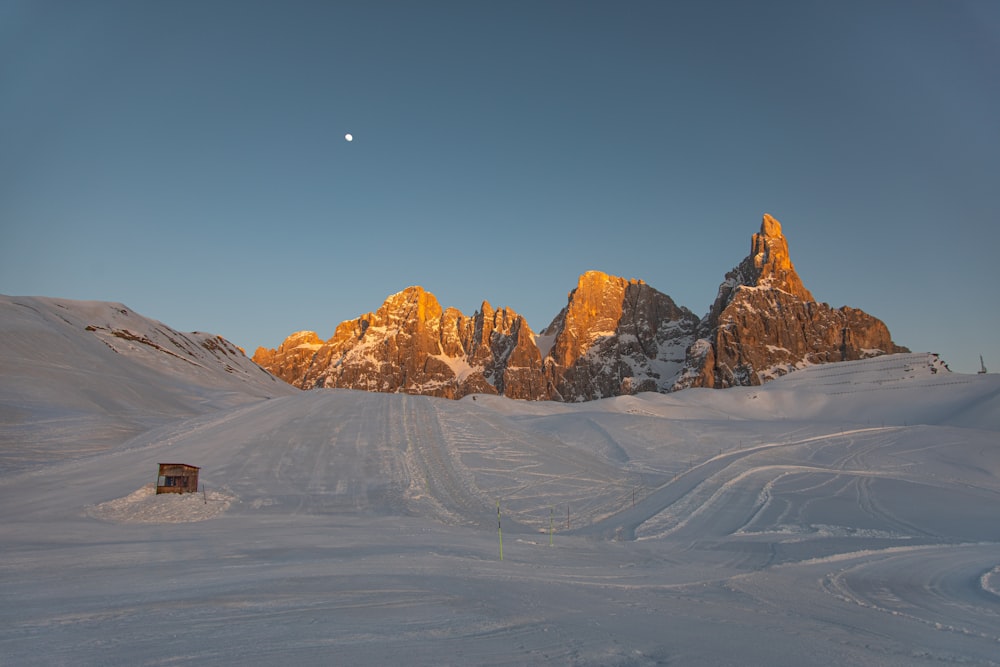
714 485
535 475
436 475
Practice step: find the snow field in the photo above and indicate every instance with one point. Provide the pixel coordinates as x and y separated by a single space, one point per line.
777 525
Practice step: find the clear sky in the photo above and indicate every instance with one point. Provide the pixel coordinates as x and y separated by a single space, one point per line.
187 157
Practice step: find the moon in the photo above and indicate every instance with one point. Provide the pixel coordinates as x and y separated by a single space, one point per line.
349 137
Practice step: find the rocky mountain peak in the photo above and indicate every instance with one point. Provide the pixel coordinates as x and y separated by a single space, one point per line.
765 323
292 358
301 339
614 336
410 344
593 310
772 266
413 304
768 266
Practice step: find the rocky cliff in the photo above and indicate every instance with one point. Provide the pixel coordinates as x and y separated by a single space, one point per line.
412 345
292 358
614 337
764 323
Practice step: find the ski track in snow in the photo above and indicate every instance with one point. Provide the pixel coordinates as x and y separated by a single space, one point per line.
696 529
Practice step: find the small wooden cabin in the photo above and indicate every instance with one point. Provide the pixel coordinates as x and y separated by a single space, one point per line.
177 478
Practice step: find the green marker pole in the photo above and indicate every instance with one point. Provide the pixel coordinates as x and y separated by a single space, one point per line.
499 530
551 525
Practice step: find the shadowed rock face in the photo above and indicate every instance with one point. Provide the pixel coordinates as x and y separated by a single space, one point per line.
765 323
614 337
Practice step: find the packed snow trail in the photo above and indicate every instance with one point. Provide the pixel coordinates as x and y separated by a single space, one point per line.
435 470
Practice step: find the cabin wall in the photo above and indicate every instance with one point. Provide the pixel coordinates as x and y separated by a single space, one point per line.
175 478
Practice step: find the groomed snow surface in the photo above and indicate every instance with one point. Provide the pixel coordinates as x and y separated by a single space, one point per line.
846 514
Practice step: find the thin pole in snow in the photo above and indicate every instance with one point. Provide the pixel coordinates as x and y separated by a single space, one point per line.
551 523
499 530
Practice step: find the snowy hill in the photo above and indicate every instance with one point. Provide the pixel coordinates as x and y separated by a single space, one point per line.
843 514
79 376
898 389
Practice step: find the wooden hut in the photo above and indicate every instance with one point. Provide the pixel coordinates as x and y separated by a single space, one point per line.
177 478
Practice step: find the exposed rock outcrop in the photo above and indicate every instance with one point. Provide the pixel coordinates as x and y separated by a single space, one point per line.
765 323
614 337
411 345
292 358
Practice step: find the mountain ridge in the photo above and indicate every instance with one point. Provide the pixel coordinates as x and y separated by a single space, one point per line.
615 336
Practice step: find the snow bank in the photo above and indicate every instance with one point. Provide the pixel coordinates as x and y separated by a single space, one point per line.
145 506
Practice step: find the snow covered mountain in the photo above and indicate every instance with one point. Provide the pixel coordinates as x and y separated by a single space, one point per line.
614 337
81 376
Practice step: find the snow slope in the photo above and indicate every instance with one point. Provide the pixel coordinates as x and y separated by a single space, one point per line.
81 376
845 514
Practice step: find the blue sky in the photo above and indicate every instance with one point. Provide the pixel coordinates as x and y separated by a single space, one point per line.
188 158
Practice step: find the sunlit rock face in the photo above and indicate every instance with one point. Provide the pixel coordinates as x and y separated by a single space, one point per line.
614 337
411 345
389 350
292 358
765 323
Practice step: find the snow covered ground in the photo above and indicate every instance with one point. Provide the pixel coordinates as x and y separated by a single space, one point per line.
844 514
78 377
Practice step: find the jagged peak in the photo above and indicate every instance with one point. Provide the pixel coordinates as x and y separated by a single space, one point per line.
614 335
410 293
769 226
597 278
300 339
593 285
304 334
412 298
768 266
593 289
772 265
